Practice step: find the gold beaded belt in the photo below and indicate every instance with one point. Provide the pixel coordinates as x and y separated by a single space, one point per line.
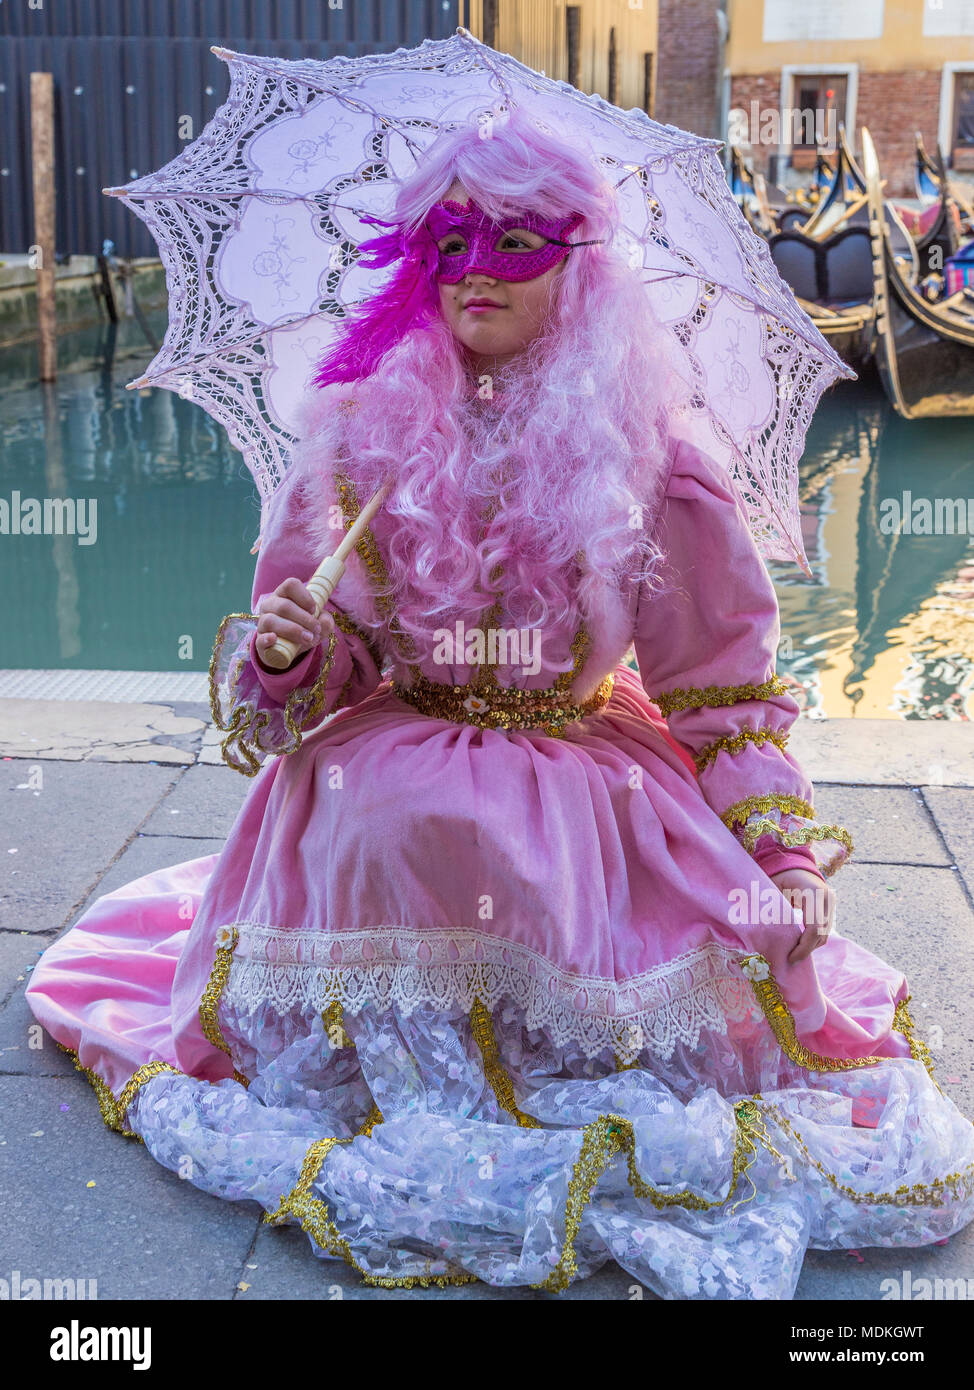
500 706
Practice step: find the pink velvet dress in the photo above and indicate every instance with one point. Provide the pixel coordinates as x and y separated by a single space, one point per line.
477 992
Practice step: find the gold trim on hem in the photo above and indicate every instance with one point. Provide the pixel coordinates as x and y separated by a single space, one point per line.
210 1000
113 1109
695 697
903 1023
482 1028
958 1185
781 1020
611 1134
315 1221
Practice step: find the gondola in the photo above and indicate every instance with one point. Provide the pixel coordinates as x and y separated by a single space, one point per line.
928 180
936 227
830 267
765 206
927 175
844 191
924 352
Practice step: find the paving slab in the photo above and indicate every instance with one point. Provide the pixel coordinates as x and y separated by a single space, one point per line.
18 953
209 751
98 731
285 1267
146 854
887 824
138 1231
952 809
205 801
840 1275
885 752
61 826
22 1050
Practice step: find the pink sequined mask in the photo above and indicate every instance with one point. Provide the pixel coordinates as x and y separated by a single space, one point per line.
474 239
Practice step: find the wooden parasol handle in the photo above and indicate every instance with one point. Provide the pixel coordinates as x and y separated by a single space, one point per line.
325 578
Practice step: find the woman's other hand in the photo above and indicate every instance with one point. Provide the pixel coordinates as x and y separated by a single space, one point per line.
816 899
289 614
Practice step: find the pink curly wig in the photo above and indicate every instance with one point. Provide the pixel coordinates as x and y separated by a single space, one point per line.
579 420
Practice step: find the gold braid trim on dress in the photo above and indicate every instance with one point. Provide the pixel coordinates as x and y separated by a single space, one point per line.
246 720
227 938
334 1020
486 704
737 742
351 628
611 1134
112 1110
903 1023
957 1185
694 697
501 707
791 805
313 1215
482 1028
782 1022
373 561
483 701
801 835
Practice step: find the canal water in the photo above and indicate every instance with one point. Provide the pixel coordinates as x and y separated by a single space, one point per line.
884 627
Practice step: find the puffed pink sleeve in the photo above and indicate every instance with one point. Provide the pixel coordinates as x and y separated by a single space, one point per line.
265 713
706 646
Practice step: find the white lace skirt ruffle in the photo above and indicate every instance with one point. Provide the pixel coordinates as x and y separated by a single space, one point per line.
525 1163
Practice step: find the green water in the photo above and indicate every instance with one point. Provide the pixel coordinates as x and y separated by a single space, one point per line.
884 628
176 514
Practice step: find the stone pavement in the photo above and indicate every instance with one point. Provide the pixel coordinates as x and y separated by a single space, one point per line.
94 794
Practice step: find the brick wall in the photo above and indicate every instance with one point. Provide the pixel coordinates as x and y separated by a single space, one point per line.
894 105
686 65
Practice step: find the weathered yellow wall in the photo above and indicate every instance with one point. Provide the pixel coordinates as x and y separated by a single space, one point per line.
902 45
533 31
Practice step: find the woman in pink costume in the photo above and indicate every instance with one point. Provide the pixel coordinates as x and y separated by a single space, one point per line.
512 966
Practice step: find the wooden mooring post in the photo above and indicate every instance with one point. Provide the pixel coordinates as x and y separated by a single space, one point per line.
42 165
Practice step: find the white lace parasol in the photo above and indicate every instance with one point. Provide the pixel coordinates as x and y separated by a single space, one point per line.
257 223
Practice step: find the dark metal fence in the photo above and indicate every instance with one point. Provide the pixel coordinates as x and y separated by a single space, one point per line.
127 76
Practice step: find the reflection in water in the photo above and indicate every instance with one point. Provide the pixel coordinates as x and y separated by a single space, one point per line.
176 516
883 629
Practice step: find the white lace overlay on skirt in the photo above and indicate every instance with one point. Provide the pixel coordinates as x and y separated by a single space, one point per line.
390 966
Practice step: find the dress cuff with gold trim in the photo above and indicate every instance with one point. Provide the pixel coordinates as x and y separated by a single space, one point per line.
255 725
696 697
791 821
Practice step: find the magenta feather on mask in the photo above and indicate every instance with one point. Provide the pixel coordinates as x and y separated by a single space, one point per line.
407 301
